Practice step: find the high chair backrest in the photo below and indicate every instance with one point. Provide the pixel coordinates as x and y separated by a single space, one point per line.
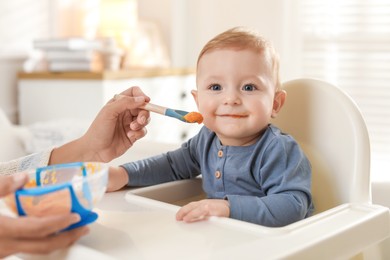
331 130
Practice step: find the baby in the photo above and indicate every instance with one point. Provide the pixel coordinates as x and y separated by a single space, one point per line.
251 171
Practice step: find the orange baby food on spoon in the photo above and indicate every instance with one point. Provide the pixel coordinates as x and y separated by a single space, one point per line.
193 117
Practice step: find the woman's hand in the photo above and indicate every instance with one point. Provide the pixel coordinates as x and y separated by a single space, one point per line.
200 210
118 125
32 234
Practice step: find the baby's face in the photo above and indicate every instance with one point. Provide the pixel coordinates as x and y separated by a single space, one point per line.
235 94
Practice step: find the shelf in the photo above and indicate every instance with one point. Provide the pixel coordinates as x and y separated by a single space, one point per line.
109 75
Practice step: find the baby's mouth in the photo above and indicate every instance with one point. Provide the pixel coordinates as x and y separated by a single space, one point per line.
232 116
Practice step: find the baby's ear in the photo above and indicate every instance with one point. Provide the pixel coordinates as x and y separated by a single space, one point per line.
195 95
280 97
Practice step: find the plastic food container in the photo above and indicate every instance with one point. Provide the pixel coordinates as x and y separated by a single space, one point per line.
60 189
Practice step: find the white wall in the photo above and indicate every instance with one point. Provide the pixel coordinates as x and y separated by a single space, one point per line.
159 12
20 22
188 24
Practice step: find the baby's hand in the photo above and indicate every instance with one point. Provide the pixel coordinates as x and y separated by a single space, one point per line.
117 178
202 209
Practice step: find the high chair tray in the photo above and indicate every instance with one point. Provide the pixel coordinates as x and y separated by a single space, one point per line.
135 226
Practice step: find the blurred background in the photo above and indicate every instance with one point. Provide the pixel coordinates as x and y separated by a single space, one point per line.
343 42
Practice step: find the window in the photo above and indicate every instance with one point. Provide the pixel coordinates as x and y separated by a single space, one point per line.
348 43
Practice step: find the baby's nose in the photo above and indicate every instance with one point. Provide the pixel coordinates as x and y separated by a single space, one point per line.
232 98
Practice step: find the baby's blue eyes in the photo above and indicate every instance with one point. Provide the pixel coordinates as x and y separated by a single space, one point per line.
247 87
215 87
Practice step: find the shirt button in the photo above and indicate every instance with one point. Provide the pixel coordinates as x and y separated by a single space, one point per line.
217 174
220 153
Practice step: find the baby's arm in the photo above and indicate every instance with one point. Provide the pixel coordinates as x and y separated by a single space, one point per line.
272 210
170 166
200 210
117 179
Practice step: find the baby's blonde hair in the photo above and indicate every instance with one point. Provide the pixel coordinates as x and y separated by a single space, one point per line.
245 38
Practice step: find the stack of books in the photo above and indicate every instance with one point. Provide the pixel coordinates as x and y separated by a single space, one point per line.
71 54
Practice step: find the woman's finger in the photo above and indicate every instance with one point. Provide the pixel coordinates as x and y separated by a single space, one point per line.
135 91
42 245
123 102
36 227
133 136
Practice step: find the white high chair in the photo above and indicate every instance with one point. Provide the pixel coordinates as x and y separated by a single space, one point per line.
331 130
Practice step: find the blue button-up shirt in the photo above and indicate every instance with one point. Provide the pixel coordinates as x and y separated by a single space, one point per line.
267 183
